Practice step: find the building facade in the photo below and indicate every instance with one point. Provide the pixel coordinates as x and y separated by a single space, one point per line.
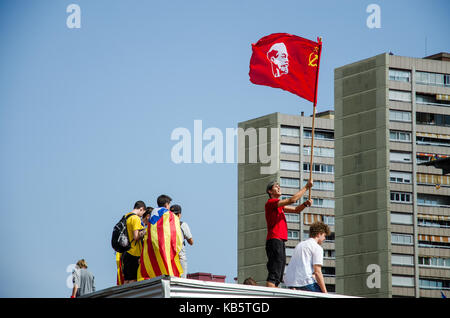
291 170
392 214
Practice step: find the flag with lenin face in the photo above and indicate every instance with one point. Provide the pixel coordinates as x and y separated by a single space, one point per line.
286 61
161 246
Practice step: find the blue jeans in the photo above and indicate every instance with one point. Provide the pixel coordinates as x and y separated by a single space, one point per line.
313 288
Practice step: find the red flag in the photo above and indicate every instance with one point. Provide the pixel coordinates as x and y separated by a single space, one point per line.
288 62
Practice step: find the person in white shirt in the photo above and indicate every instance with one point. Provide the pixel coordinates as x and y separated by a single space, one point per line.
304 271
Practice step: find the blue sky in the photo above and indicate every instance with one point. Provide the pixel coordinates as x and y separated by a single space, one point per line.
86 116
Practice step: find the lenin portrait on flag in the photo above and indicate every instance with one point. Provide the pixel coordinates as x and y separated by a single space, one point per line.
286 61
278 57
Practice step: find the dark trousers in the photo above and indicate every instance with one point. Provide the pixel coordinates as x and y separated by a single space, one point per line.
130 265
276 255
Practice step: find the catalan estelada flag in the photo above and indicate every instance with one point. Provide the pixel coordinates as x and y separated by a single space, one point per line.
162 244
120 278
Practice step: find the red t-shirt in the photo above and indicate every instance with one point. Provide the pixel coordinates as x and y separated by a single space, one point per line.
276 220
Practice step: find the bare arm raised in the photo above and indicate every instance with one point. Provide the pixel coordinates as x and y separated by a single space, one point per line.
295 198
298 208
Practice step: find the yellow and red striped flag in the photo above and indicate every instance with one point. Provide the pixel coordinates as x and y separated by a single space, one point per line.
162 244
120 278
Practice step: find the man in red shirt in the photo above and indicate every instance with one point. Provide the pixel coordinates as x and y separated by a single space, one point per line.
277 228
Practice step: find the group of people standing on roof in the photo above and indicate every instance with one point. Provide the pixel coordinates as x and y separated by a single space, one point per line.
153 244
157 239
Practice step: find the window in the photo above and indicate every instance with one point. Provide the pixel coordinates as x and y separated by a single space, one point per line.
433 200
319 151
289 149
398 115
321 185
401 218
399 177
402 136
399 96
434 284
431 100
328 220
432 119
426 78
400 259
400 197
430 284
322 203
401 239
399 75
330 238
433 221
422 78
429 141
319 168
328 271
404 281
319 134
434 261
310 218
293 235
329 254
290 131
396 156
289 165
434 244
290 182
434 241
292 217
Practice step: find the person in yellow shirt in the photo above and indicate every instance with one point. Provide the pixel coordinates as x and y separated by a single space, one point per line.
130 259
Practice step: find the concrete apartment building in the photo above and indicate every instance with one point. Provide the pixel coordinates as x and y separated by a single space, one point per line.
292 147
392 214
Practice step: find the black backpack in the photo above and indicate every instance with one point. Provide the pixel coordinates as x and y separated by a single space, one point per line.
119 240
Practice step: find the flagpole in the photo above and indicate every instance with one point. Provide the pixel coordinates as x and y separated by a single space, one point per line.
312 149
319 40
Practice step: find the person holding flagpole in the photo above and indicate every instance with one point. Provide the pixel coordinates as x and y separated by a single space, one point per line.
289 62
277 228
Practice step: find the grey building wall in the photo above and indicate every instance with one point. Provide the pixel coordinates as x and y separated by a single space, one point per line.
361 176
363 205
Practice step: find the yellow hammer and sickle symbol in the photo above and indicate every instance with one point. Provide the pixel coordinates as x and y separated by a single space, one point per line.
313 58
